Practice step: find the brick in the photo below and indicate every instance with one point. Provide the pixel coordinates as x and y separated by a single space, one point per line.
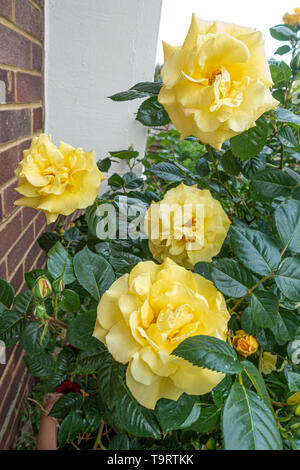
10 233
17 48
28 215
5 8
38 123
39 223
32 257
10 392
37 57
29 18
8 78
17 279
1 210
19 250
12 358
3 271
9 197
29 87
8 163
23 146
14 124
40 3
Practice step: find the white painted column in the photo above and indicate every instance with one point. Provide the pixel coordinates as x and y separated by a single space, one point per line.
96 48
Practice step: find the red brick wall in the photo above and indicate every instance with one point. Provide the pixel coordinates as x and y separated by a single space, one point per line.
21 117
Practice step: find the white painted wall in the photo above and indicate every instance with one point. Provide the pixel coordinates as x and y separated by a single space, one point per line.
95 48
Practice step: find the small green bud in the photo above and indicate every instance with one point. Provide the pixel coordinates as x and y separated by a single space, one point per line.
41 312
58 285
211 444
42 288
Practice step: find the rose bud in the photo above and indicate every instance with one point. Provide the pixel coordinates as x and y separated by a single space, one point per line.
58 285
244 344
42 288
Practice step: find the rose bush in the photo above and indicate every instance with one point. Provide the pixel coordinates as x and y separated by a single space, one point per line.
169 371
217 84
187 225
57 180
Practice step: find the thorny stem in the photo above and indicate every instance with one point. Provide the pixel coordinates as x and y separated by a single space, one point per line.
249 292
98 438
57 322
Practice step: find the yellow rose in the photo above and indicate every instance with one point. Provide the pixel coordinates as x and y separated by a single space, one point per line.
57 180
146 314
187 225
244 344
268 363
216 85
292 19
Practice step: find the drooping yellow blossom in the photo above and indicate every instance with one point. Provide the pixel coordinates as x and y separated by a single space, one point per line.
187 225
146 314
244 344
216 85
293 18
57 180
268 363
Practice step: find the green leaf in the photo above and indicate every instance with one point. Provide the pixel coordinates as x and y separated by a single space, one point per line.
255 250
231 164
287 137
209 352
32 340
40 365
80 331
7 294
250 143
166 171
108 379
132 181
283 50
124 154
128 95
208 421
248 423
104 165
70 428
59 261
277 74
231 278
172 414
202 167
48 239
293 380
288 278
283 33
24 303
254 165
124 262
258 382
287 221
66 359
93 272
264 308
284 115
70 301
151 88
152 113
272 183
286 326
135 418
248 324
11 327
67 403
91 359
92 416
